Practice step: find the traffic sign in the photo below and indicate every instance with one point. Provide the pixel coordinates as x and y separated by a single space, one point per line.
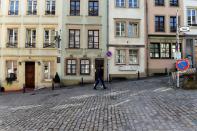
184 29
182 64
109 54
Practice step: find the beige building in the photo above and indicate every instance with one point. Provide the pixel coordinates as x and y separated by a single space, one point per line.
83 40
161 18
28 43
127 38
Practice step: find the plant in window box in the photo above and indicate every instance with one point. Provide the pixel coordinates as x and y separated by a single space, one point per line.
11 78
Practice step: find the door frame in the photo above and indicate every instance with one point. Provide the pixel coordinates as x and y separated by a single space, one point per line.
103 67
33 63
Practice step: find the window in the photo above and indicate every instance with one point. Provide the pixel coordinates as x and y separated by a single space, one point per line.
93 8
133 30
71 65
50 7
49 38
11 70
85 67
120 29
93 39
133 3
191 17
121 56
74 38
159 2
74 7
174 2
133 57
154 50
159 24
32 7
30 38
12 38
173 23
48 68
120 3
165 50
14 6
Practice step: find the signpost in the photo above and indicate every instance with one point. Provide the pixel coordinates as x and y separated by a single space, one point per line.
180 64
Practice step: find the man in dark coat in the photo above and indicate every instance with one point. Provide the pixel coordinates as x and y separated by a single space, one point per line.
99 79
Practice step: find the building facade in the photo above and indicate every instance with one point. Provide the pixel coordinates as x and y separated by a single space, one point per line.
190 19
161 18
127 38
28 43
83 40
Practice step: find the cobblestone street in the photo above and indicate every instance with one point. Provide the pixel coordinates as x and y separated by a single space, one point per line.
144 105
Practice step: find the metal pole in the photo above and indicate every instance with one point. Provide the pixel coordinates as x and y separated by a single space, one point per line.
177 42
107 39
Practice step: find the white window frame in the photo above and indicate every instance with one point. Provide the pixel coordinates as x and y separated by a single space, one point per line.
49 64
31 36
120 56
133 32
32 6
191 10
12 68
133 2
122 33
13 36
119 3
134 55
50 35
50 5
14 11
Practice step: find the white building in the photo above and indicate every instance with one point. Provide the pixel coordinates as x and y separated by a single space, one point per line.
127 38
190 19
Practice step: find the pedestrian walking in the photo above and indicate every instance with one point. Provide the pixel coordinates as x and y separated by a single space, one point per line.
99 80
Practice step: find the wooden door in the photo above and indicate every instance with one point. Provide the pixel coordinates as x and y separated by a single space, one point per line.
99 63
30 74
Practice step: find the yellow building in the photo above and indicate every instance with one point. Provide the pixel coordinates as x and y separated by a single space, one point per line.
31 52
28 30
84 42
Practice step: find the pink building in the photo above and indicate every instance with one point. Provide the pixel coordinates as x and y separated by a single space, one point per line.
161 20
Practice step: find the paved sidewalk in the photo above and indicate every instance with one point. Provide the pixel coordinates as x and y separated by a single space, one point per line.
144 105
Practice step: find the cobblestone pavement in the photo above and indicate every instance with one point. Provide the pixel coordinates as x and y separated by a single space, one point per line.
144 105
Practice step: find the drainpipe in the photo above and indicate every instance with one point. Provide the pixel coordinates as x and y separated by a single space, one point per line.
107 39
147 44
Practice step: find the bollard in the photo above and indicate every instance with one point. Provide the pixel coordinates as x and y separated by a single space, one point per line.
82 81
24 88
53 85
138 75
166 71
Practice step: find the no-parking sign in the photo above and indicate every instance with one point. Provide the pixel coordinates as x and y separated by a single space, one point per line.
182 64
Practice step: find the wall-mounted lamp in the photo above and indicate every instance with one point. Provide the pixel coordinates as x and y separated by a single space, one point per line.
39 63
20 63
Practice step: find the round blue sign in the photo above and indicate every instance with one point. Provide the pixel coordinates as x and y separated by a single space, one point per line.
182 65
109 53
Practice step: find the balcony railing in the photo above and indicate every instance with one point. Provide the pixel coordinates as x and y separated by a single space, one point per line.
11 45
11 12
30 45
47 12
32 12
49 45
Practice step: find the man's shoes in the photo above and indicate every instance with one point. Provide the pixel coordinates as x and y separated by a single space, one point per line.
95 89
105 87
